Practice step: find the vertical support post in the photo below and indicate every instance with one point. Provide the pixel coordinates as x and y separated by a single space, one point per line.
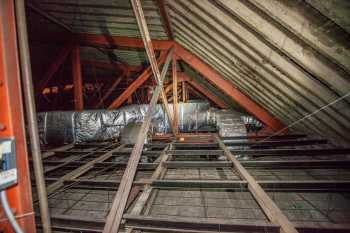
175 100
26 73
184 92
77 79
12 119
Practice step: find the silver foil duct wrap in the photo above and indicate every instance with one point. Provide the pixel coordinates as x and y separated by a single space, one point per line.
61 127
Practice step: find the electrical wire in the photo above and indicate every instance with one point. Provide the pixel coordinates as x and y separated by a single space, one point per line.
8 212
305 117
6 207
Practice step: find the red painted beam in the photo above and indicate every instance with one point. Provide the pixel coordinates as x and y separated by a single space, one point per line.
228 87
136 84
207 72
203 90
54 66
119 41
77 79
12 120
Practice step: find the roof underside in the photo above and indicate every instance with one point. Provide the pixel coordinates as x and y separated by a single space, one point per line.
291 57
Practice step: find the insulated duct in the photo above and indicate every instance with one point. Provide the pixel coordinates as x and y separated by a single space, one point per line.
62 127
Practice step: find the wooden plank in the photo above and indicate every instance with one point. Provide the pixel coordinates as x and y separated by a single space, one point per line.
116 213
147 190
52 152
197 224
141 22
269 207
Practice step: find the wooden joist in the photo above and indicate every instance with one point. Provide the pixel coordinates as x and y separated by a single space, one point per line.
269 207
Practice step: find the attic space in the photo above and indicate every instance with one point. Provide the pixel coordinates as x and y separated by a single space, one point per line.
194 116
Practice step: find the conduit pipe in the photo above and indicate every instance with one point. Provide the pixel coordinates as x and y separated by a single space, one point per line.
27 84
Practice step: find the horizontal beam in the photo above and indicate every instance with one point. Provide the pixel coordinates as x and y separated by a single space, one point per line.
274 164
88 225
119 41
265 137
196 152
279 185
257 144
297 164
183 224
198 225
280 143
293 152
197 164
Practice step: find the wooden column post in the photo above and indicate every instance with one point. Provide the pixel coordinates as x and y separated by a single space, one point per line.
184 92
175 99
77 79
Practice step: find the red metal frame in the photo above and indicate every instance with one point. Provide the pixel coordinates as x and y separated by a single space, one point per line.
77 79
136 84
12 119
120 41
207 72
192 60
202 90
228 87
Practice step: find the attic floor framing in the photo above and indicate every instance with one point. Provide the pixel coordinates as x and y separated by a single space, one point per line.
192 187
